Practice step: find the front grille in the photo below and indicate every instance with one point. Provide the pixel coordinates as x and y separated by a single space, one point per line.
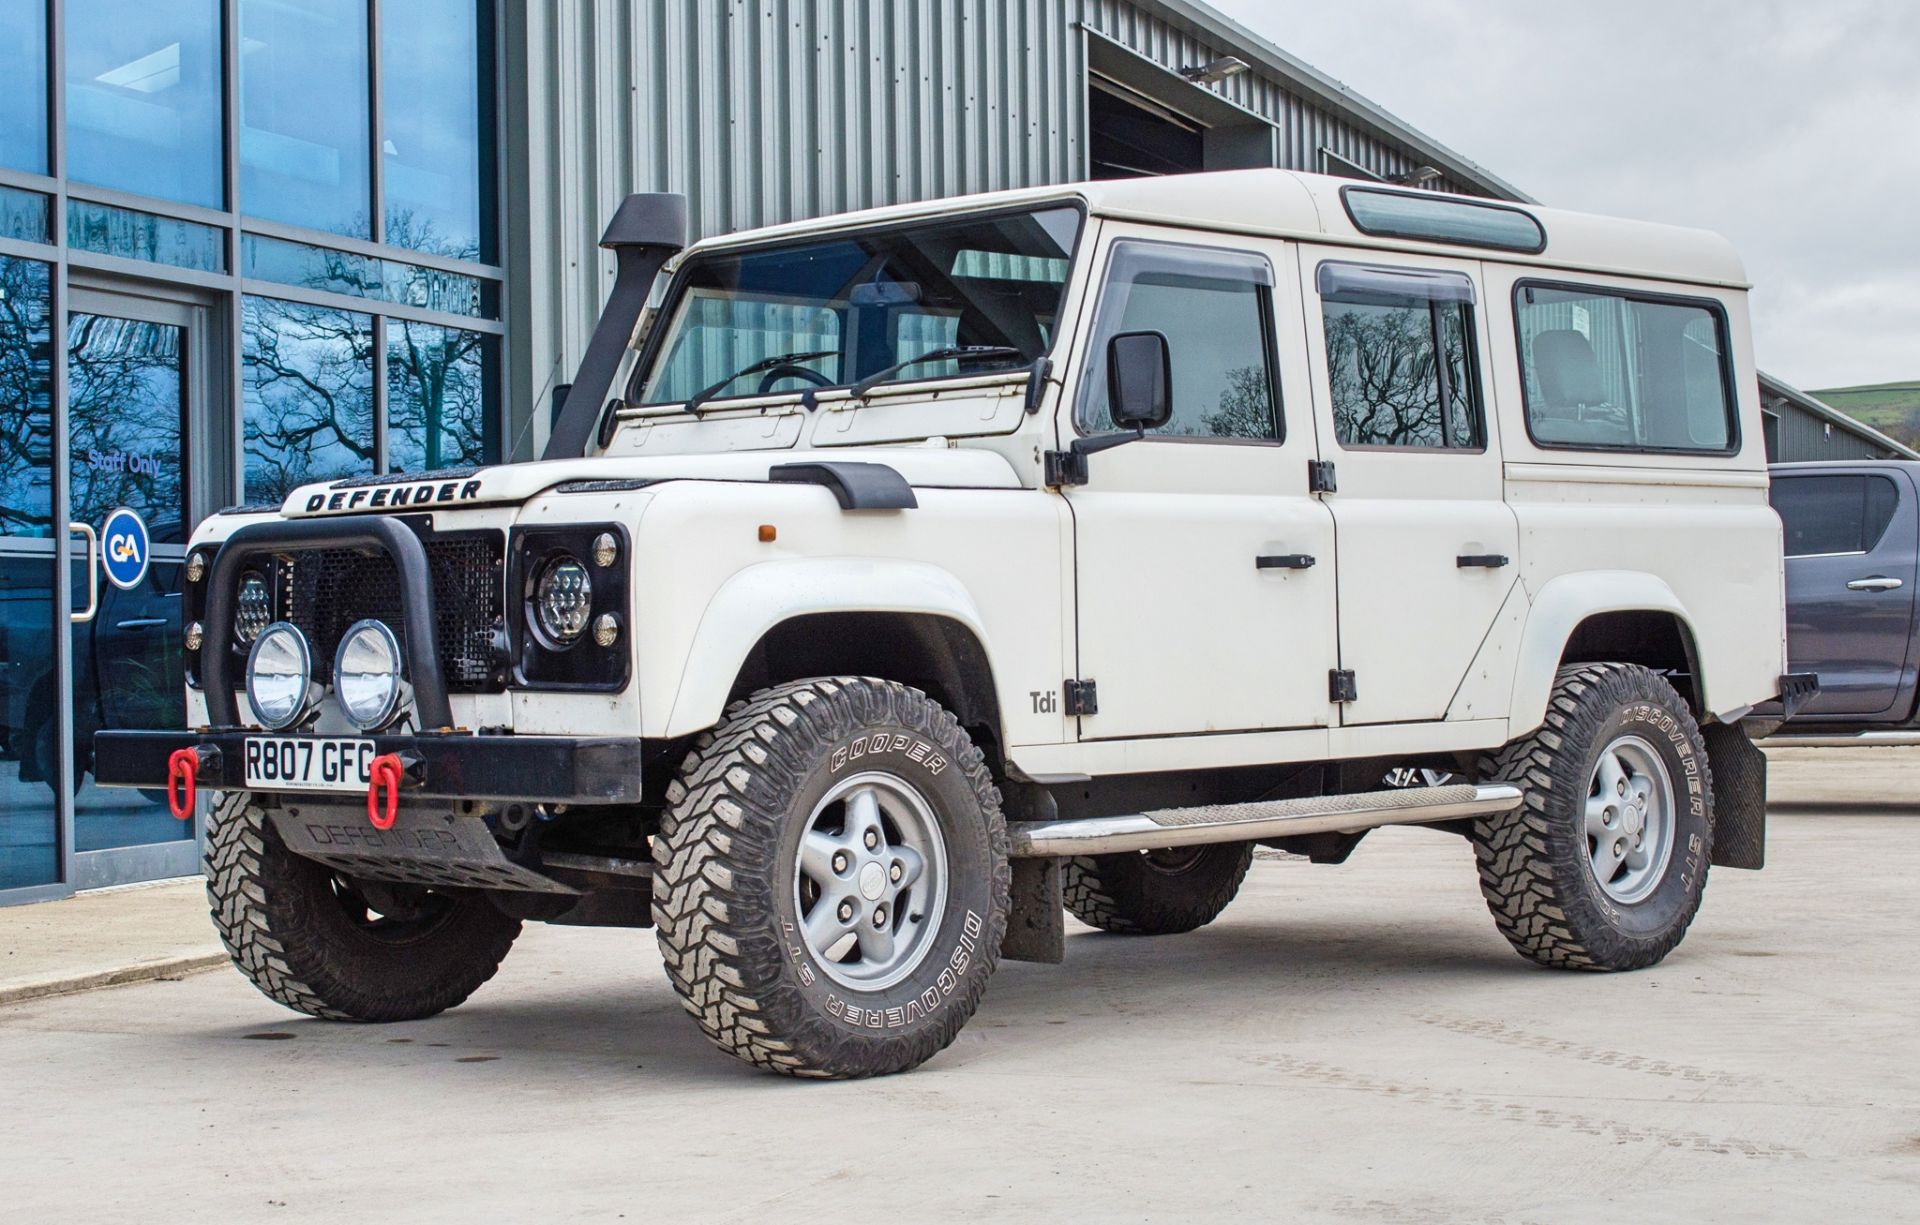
324 591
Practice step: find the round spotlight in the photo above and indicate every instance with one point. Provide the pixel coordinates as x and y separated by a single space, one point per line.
366 675
563 599
280 677
252 607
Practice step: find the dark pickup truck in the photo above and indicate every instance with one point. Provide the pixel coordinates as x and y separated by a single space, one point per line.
1852 536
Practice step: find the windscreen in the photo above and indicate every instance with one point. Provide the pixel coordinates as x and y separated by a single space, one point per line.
830 312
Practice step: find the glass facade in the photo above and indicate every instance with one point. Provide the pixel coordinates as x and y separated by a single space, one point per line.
144 97
261 244
438 115
309 396
29 706
143 236
23 86
304 117
440 413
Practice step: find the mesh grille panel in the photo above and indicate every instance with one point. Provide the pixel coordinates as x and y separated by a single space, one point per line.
327 590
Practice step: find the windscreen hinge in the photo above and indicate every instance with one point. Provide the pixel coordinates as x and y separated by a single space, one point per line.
1081 698
1065 468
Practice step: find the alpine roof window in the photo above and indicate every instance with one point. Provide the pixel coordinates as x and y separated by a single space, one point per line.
1460 222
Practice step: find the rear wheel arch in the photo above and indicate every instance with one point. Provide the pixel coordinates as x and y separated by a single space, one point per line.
1660 639
1614 616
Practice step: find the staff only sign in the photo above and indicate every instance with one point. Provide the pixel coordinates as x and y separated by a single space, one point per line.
125 549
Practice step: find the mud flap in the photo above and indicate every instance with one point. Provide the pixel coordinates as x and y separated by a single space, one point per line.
1739 797
1037 919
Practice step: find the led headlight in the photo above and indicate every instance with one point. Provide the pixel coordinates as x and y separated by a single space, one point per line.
563 599
280 677
366 675
252 607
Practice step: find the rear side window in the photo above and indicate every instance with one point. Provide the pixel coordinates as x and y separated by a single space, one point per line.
1833 514
1216 310
1611 371
1400 359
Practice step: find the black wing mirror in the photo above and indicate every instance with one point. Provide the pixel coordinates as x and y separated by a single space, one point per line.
1140 380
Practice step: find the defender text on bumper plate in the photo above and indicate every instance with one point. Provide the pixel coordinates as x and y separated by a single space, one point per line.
532 769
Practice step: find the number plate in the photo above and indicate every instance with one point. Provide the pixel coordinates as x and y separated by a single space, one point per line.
307 763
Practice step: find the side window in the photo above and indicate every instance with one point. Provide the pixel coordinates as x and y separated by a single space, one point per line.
1833 514
1609 370
1216 310
1400 357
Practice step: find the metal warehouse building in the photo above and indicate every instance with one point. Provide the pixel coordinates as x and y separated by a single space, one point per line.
246 244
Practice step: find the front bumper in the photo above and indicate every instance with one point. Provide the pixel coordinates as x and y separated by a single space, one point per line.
453 766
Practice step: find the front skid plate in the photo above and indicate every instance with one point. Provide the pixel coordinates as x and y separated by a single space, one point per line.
424 847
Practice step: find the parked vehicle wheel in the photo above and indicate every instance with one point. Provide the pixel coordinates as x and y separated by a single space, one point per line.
830 882
345 950
1156 893
1602 866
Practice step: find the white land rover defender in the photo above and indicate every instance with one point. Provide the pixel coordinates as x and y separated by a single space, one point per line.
912 577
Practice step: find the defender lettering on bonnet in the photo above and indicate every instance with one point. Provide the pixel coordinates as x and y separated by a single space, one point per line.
388 497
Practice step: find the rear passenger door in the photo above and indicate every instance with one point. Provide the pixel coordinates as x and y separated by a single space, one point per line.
1850 544
1426 545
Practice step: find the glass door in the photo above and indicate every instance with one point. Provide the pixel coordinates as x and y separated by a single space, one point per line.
136 391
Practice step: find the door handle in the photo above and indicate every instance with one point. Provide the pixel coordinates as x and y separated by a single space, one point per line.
1483 561
1284 561
1877 582
139 623
93 573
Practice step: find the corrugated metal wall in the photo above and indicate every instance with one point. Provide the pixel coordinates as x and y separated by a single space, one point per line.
1808 436
771 110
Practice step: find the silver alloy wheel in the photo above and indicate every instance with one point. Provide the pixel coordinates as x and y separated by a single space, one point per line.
1630 819
870 884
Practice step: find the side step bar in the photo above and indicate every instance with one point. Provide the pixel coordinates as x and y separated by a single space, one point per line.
1171 827
1841 740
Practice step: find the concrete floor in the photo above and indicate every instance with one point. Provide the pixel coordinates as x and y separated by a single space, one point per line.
1346 1044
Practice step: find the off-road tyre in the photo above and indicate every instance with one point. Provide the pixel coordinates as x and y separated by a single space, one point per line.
1535 869
725 865
1156 893
289 931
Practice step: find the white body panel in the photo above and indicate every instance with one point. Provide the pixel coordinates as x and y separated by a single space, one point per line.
1144 579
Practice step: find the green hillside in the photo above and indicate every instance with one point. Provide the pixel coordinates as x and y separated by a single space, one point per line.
1891 408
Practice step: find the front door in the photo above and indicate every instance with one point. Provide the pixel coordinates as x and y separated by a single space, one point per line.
137 376
1850 540
1428 550
1204 569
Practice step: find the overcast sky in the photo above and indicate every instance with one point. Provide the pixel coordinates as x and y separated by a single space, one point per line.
1793 129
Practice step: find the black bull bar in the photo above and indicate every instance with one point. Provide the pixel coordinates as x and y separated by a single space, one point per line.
441 762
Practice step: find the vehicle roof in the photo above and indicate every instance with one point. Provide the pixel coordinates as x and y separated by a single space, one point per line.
1292 204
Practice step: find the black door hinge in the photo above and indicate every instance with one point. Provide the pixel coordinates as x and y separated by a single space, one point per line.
1320 477
1066 468
1081 698
1341 687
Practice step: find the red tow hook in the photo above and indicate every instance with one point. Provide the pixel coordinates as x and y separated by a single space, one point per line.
383 789
183 769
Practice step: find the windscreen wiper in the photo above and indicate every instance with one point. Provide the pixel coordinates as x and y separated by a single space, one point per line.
766 363
859 390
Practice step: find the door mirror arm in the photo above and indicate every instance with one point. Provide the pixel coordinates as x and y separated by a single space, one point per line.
1069 467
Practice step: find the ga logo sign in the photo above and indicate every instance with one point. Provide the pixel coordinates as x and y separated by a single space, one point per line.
124 549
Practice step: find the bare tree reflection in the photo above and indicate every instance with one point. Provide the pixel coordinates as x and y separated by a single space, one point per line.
309 391
26 400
